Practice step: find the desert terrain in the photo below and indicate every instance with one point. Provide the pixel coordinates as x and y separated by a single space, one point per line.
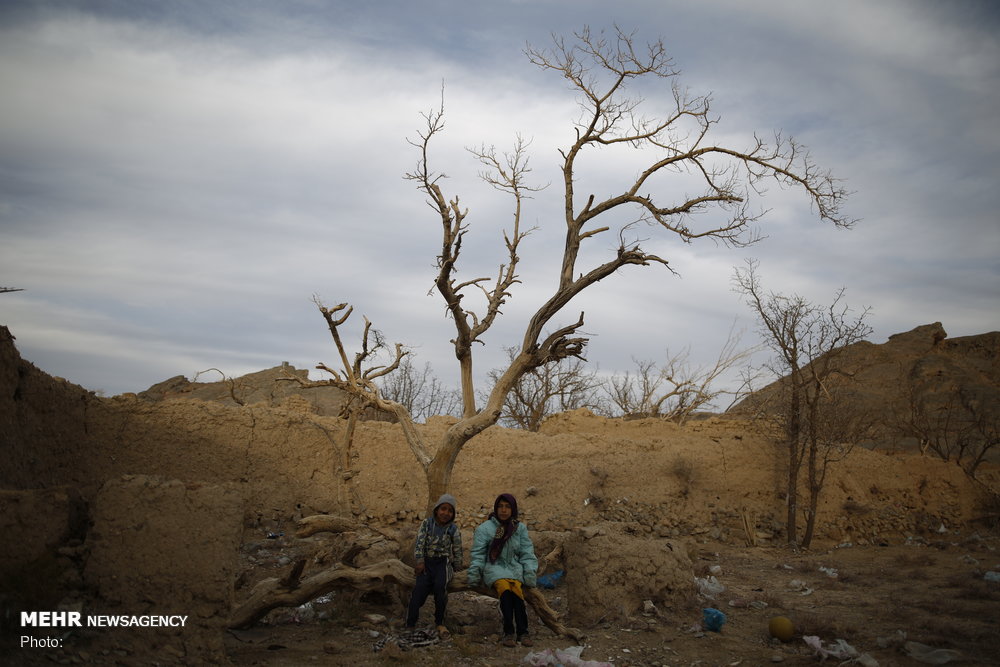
178 504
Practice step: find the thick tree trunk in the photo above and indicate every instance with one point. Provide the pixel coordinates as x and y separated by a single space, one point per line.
468 386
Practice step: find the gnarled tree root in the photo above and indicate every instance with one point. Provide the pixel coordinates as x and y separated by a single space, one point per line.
290 591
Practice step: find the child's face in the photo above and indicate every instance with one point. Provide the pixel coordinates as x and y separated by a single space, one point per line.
504 510
444 513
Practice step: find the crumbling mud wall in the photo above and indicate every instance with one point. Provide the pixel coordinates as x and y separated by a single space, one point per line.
164 548
637 575
55 433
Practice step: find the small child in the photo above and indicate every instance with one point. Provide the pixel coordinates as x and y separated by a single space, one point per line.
438 552
503 556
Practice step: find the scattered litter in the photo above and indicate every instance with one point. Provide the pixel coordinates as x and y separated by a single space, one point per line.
709 586
930 655
551 579
713 619
840 650
800 586
715 569
829 571
408 640
992 576
649 609
570 657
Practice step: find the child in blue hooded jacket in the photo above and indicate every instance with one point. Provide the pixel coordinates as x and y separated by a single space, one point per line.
438 552
504 557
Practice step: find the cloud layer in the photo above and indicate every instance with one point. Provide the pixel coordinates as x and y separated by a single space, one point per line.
178 181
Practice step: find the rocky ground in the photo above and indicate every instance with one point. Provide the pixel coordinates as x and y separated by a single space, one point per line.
890 603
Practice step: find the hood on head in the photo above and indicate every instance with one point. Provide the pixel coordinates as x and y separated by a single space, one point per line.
513 505
446 498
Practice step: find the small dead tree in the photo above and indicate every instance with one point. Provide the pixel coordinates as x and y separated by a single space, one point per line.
548 389
676 390
807 341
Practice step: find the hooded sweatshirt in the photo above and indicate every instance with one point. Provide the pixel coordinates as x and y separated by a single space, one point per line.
435 540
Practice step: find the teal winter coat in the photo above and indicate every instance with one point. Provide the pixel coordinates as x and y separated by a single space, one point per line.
516 561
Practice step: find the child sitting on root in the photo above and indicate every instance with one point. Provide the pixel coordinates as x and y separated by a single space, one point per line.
504 557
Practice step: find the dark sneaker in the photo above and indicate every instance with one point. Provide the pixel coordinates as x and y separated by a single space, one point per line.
509 641
525 640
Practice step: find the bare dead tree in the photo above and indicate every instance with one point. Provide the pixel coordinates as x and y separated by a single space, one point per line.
601 69
676 389
548 389
807 341
420 391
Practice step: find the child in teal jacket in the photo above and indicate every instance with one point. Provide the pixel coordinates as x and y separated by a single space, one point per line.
504 558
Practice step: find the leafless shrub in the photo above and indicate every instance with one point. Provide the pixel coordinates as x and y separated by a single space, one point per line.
420 391
675 389
547 390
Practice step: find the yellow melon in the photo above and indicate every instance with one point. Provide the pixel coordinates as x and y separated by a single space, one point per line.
781 628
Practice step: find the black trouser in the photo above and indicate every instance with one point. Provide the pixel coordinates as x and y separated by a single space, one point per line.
434 579
514 613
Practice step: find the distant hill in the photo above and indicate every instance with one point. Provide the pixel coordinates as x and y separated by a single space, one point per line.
920 370
274 387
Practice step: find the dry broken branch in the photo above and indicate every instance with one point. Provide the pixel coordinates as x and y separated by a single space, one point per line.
289 591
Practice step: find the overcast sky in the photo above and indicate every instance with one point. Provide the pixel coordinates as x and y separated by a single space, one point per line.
179 179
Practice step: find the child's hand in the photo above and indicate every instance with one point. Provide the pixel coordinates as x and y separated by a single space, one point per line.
419 568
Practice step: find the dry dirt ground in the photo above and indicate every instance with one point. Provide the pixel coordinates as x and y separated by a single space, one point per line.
875 598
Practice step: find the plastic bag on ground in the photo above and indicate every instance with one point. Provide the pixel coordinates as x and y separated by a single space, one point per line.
709 586
570 657
551 579
930 655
